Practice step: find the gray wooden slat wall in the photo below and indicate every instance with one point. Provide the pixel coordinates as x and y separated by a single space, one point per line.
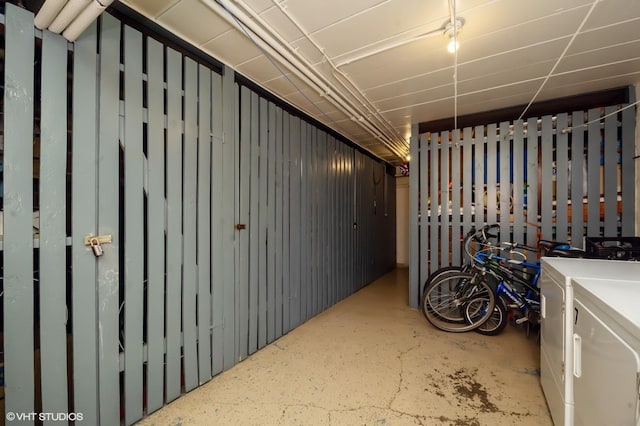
554 174
52 205
19 376
189 223
174 222
165 156
204 224
134 225
156 226
109 222
84 199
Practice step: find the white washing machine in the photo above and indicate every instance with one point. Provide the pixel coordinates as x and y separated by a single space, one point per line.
606 352
557 319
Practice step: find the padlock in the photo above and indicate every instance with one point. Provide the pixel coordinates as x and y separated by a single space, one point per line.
96 247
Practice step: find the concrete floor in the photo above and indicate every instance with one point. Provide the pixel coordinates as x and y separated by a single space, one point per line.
371 360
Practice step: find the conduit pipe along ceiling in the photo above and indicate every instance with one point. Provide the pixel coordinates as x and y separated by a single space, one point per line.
69 17
272 44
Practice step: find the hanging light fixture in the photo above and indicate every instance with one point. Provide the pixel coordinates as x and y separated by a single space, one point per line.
452 29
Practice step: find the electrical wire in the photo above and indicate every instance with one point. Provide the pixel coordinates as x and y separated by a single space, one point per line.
452 3
560 58
597 120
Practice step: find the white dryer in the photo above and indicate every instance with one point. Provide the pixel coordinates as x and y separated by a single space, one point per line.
606 352
557 319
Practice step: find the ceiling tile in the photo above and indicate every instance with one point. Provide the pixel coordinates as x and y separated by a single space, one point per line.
151 8
194 21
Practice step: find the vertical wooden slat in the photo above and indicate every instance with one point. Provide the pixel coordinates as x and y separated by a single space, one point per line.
610 173
628 169
532 181
271 224
262 238
562 173
416 190
332 219
304 221
422 211
229 198
355 174
577 178
189 208
546 191
235 117
84 215
434 225
53 166
204 224
492 174
279 223
217 227
134 225
18 212
174 224
506 185
339 222
108 217
322 216
456 205
443 203
519 184
469 206
479 180
312 156
286 236
254 225
593 173
295 223
245 200
156 214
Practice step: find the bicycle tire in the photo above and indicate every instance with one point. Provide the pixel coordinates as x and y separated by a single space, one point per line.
435 275
446 299
498 320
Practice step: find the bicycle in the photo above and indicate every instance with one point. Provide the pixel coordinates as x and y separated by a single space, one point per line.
456 300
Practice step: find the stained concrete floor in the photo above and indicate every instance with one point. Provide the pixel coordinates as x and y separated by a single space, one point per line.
371 360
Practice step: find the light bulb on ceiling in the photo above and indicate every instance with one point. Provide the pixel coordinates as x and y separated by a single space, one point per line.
452 29
453 45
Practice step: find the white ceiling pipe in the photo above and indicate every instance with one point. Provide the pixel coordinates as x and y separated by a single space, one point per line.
373 113
280 57
48 12
88 15
72 9
298 66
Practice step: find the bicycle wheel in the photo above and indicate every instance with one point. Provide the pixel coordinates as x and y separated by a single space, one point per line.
447 298
498 320
437 275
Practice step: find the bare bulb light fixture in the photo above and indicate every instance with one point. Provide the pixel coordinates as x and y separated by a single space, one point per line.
452 30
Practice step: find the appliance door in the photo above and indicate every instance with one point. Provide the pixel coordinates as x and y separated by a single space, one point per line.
553 344
605 371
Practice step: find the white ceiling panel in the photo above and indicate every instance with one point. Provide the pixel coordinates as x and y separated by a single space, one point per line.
151 8
604 38
203 26
508 48
232 48
610 12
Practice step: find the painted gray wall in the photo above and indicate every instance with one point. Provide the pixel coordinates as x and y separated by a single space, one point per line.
167 157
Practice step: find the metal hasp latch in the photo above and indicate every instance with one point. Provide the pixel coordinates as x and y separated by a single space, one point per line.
96 241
